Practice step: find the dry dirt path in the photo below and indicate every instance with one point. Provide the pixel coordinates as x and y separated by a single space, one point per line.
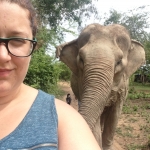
65 86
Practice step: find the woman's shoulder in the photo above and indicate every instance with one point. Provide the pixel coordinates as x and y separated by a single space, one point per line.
64 109
67 114
38 93
73 131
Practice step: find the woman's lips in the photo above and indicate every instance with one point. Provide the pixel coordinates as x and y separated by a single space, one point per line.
5 72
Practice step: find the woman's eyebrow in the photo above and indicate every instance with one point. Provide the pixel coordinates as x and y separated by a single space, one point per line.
18 33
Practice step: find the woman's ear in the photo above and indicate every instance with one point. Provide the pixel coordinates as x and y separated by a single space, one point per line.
67 53
136 58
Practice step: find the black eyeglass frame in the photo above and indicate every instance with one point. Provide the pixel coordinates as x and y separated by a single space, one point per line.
6 41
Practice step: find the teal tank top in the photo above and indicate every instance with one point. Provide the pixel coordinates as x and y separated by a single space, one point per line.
38 130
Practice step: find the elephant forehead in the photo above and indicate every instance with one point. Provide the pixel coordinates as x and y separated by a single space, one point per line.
102 31
96 32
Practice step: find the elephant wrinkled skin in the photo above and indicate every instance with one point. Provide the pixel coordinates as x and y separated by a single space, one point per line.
101 59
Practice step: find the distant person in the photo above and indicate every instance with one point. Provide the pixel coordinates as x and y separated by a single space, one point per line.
68 99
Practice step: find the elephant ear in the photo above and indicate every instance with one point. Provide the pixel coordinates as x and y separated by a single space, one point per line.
136 58
67 53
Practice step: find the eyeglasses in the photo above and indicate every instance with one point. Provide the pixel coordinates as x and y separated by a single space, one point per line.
19 47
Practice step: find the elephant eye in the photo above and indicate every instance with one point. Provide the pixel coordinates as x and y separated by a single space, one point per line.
80 62
119 62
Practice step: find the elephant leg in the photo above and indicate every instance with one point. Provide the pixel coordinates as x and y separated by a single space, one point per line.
109 120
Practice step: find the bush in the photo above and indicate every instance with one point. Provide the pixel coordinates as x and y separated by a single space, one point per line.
65 72
42 73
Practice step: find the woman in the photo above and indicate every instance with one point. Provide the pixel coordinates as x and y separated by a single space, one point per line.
30 118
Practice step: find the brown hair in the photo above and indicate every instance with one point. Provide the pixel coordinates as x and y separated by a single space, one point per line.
26 4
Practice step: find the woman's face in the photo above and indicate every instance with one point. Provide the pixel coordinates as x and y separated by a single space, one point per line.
14 22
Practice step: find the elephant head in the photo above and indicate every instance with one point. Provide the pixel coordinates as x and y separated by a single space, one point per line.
101 59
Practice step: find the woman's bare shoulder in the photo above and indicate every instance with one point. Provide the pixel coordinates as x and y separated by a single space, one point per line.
73 131
63 106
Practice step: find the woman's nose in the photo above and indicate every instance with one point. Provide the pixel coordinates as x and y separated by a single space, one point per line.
4 55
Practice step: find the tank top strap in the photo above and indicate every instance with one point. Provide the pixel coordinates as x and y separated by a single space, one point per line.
38 129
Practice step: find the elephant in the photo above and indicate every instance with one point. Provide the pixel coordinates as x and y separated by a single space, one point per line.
101 60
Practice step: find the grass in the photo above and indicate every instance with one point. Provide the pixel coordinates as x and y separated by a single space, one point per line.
134 130
130 109
139 87
136 127
132 120
57 91
135 147
138 91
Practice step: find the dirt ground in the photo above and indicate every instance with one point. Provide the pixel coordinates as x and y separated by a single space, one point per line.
133 131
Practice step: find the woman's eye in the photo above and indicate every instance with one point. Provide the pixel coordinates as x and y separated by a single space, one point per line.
17 42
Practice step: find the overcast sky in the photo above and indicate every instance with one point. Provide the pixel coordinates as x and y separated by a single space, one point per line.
106 5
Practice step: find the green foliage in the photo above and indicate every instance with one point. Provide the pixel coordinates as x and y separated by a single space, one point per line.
126 133
114 18
147 50
54 12
134 127
139 91
47 39
137 95
134 21
119 131
128 109
147 106
136 24
56 90
42 73
135 147
65 72
148 143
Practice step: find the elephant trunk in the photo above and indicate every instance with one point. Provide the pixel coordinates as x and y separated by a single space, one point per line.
96 89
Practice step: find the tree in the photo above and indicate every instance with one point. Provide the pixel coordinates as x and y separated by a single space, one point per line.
55 12
147 49
136 21
65 72
114 18
43 72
